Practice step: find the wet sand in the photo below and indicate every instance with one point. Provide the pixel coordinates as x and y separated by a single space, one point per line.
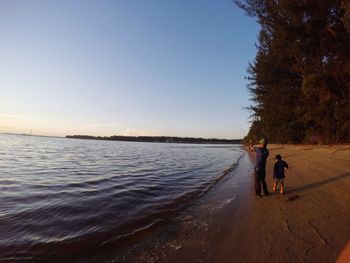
309 223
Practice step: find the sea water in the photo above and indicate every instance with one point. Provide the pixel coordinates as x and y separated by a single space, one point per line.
61 195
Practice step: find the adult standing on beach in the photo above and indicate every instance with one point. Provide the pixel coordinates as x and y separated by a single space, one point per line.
260 167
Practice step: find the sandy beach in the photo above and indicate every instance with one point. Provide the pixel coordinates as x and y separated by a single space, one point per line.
309 223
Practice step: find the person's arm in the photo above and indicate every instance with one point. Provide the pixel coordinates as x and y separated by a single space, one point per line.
257 146
285 166
251 146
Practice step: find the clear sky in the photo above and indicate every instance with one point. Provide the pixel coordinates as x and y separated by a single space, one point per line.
125 67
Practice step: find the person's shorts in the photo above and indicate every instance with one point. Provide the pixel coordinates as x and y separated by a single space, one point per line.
276 180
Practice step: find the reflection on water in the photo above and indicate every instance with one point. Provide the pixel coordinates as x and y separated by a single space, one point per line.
58 194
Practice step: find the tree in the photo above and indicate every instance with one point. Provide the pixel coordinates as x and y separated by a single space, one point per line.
299 80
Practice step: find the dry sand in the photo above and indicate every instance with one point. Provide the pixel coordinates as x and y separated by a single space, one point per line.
309 223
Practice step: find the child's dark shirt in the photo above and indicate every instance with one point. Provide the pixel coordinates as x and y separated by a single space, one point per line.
278 169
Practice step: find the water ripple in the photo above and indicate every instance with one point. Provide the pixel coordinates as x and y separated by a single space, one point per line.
55 192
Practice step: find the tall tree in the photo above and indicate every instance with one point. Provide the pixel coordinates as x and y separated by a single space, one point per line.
299 80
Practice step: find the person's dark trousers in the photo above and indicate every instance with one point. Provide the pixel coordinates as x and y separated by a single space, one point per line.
260 180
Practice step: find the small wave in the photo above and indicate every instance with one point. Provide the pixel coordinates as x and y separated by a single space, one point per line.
84 195
225 202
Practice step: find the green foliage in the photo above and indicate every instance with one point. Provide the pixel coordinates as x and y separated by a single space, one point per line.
300 78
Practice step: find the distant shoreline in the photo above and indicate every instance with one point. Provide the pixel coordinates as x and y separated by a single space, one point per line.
32 135
159 139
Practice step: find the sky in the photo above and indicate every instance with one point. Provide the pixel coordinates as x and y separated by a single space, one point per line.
125 67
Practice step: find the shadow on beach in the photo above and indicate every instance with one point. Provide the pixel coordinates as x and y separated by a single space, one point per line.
317 184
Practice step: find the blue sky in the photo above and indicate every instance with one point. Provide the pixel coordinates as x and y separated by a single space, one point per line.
132 67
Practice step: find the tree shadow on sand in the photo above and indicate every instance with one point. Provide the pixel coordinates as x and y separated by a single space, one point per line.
317 184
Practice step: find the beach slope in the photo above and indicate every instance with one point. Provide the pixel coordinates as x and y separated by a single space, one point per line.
309 223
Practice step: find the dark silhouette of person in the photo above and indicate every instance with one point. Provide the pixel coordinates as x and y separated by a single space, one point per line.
260 167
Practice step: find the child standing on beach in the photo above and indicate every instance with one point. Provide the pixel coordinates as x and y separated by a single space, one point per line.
278 173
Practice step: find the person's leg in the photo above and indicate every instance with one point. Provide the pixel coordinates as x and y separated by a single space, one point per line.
274 185
266 192
282 188
257 184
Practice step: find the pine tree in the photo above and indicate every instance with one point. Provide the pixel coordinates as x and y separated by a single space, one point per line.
299 80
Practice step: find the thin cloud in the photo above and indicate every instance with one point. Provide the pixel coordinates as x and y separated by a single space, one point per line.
17 116
102 125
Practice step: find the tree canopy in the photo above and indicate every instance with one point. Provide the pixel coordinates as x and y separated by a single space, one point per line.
299 81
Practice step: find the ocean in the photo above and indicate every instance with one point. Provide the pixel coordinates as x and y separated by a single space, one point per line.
61 197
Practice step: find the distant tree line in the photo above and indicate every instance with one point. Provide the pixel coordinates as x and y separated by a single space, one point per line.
300 79
161 139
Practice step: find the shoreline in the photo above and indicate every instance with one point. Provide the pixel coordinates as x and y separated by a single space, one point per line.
309 223
171 233
187 235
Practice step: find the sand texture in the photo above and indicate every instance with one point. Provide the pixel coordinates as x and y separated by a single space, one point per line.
309 223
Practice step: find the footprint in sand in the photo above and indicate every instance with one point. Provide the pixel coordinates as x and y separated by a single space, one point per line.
293 198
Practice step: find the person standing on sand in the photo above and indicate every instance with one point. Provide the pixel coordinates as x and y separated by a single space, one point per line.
278 173
261 155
